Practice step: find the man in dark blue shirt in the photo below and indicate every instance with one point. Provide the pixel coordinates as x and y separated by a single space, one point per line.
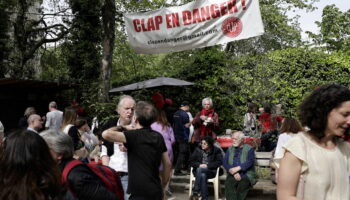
181 124
239 163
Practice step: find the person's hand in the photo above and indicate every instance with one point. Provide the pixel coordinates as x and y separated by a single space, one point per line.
209 120
83 138
203 166
122 148
234 170
203 117
237 176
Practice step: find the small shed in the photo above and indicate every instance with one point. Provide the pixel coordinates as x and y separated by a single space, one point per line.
17 94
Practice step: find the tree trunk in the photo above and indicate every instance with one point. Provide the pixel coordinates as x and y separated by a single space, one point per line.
108 18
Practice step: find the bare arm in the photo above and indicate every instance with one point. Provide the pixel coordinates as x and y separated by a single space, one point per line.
113 136
165 174
288 178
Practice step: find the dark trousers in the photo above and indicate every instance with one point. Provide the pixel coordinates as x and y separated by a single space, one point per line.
236 190
200 185
182 155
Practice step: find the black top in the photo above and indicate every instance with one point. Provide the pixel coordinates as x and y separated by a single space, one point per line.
180 119
75 135
213 158
145 149
109 145
23 122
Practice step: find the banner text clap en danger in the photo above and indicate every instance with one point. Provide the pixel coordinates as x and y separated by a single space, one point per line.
194 25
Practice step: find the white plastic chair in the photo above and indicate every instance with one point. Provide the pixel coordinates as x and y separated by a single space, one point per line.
215 181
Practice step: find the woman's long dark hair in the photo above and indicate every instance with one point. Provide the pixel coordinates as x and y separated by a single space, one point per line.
27 169
290 125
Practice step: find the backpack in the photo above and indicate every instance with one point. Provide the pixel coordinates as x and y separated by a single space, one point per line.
107 175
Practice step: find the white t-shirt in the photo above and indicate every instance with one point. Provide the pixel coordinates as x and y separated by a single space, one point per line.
282 141
54 119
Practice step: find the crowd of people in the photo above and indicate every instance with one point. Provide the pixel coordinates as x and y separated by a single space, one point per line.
54 157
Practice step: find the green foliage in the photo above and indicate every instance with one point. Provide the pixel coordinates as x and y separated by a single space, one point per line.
284 76
280 30
335 29
82 48
54 66
4 36
102 110
129 67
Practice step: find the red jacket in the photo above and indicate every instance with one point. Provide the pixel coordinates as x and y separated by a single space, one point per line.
269 122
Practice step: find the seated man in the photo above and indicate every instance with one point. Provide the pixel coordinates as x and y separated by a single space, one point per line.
205 160
239 164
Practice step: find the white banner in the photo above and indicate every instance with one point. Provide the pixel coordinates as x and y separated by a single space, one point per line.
194 25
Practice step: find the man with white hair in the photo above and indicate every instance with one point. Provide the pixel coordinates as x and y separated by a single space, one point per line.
239 163
54 117
35 123
114 154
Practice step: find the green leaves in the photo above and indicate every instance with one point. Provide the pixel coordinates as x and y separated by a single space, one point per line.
335 29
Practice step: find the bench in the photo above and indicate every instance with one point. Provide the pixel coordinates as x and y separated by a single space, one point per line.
263 166
262 159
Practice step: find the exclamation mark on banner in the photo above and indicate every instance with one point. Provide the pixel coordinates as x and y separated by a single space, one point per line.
243 5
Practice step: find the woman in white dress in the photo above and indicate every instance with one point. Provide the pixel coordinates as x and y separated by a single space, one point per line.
316 162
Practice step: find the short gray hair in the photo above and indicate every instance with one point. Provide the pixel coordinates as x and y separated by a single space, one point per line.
32 117
122 99
53 104
59 142
209 100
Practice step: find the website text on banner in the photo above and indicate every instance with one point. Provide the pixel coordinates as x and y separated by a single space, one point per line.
194 25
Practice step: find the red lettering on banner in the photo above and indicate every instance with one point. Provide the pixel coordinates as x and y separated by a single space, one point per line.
215 12
172 20
196 18
159 20
205 13
243 5
186 16
231 5
136 23
144 29
209 12
150 24
223 9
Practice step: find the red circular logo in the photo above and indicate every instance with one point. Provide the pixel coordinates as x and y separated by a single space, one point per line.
232 27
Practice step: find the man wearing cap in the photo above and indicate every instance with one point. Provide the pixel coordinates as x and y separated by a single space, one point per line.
181 124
